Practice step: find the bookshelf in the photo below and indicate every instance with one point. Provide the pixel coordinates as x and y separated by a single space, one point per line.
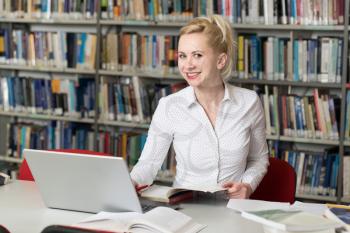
100 24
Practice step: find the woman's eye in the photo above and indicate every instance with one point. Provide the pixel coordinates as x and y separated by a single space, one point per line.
181 56
197 55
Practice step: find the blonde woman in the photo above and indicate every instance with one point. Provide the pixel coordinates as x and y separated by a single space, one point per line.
217 130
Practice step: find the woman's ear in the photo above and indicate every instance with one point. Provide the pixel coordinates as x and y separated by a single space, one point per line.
222 58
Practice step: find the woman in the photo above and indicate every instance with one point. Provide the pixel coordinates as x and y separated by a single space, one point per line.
217 130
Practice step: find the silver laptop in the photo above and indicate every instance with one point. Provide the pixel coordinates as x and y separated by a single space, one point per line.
81 182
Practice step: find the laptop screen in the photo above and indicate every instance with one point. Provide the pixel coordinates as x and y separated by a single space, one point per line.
80 182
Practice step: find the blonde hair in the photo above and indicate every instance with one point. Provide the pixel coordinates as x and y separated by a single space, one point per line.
219 33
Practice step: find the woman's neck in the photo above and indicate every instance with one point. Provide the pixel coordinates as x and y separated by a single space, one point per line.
210 96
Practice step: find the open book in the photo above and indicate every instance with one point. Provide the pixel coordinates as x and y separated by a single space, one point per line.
174 195
159 219
291 221
341 215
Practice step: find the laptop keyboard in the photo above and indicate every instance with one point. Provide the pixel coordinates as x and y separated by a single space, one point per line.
148 207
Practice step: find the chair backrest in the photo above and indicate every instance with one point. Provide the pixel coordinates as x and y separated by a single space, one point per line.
3 229
24 172
279 183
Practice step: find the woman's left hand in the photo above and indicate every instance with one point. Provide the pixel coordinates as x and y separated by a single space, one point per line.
238 190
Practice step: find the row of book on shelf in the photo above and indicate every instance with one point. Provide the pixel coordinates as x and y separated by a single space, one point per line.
122 99
308 12
59 96
259 57
47 49
317 173
128 99
34 134
313 115
307 60
146 52
55 9
310 116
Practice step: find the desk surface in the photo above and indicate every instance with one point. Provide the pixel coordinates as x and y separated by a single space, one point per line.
23 211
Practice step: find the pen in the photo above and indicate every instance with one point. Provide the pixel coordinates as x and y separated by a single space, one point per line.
338 206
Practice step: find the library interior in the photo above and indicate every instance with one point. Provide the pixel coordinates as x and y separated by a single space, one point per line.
86 77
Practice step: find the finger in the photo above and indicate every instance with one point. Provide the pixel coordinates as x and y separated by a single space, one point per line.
227 184
235 188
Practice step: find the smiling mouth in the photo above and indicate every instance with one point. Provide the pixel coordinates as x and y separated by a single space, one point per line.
192 75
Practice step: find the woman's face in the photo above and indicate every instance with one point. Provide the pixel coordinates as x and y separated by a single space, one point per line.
198 63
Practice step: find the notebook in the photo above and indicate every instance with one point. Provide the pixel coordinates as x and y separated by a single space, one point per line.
79 182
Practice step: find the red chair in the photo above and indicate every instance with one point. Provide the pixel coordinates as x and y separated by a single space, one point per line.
24 172
3 229
279 183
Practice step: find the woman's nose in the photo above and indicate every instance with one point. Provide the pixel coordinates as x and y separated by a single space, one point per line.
189 63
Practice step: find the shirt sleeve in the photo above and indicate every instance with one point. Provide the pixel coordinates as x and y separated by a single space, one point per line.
258 159
156 148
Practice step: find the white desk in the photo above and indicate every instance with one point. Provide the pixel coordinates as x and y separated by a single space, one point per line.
23 211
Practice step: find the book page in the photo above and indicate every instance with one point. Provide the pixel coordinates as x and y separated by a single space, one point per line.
114 222
341 216
204 188
314 208
160 192
255 205
167 220
291 220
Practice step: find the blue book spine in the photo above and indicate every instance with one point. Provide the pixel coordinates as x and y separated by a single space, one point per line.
10 86
298 115
293 11
296 60
23 140
254 56
234 11
7 41
150 10
72 97
154 51
259 58
334 175
81 54
318 172
327 179
19 44
43 95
